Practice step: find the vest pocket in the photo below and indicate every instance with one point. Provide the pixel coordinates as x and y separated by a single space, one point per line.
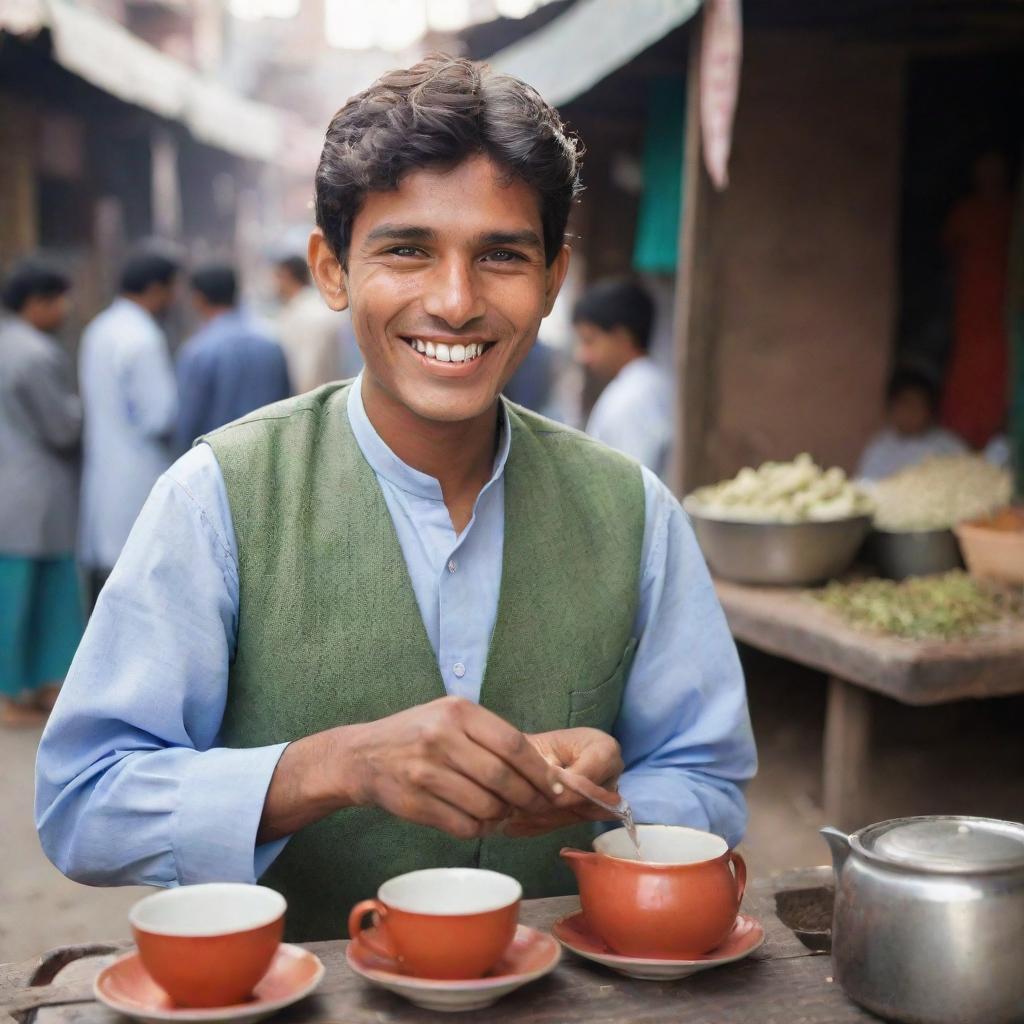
598 706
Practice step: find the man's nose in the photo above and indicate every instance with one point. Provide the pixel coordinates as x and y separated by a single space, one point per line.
453 294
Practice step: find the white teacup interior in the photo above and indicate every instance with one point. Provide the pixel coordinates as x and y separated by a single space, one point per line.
446 891
663 844
215 908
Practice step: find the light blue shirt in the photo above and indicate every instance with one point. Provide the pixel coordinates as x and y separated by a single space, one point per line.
132 785
130 401
888 451
633 414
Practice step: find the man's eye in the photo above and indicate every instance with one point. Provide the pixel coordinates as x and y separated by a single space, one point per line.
403 250
504 256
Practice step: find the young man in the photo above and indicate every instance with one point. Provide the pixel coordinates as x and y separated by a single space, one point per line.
633 413
40 428
310 333
911 433
229 366
353 634
130 402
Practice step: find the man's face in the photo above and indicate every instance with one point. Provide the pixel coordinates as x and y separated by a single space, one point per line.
285 286
47 313
161 296
603 352
447 284
910 412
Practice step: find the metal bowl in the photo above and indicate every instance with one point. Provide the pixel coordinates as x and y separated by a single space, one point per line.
783 554
899 554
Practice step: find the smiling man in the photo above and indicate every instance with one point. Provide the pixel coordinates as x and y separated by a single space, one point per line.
358 632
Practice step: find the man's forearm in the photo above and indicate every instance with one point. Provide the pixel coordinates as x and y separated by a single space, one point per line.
311 781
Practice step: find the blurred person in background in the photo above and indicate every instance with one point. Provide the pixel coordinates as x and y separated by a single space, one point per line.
912 433
40 429
533 384
309 332
613 320
977 238
229 367
130 402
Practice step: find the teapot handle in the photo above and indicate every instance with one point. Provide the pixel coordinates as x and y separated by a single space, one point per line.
740 867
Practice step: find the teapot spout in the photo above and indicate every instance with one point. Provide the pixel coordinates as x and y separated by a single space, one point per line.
839 844
578 860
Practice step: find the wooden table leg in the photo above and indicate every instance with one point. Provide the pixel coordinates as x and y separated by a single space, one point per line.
845 754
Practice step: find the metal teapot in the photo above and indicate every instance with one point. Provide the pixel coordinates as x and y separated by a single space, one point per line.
929 919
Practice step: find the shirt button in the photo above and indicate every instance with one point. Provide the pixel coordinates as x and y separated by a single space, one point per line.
451 565
459 669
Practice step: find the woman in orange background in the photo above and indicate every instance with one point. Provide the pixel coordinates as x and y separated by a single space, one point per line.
977 236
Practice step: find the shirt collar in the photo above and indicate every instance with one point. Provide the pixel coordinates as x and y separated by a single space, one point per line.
385 463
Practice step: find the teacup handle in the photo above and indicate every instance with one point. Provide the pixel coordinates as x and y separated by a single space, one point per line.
739 865
355 928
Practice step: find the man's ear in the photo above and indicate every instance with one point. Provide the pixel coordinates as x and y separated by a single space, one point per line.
556 277
327 271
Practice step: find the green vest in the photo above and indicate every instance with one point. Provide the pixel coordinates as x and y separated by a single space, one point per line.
329 632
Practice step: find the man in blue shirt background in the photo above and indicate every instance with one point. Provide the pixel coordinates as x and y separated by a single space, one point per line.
229 366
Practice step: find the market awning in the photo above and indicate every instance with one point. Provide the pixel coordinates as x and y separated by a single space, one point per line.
592 39
106 55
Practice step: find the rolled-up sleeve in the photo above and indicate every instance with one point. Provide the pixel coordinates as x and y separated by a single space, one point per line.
131 786
684 726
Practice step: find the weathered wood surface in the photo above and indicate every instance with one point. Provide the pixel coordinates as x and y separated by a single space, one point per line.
785 622
783 983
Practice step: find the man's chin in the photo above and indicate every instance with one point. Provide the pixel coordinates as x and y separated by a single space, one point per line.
447 404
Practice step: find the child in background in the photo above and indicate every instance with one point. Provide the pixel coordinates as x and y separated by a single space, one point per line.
911 434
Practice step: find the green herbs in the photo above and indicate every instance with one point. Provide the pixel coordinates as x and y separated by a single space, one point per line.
945 607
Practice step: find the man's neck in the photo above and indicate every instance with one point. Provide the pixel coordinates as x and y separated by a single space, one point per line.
460 456
137 300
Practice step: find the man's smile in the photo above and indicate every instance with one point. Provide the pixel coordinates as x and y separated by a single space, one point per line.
449 354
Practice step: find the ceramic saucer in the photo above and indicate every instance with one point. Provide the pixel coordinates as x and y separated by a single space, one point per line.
531 955
126 987
574 933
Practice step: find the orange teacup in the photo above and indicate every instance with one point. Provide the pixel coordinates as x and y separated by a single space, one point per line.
445 923
208 945
678 903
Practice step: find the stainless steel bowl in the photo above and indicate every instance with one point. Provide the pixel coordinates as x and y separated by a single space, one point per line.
784 554
914 552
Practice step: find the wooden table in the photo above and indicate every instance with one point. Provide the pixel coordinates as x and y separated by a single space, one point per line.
785 622
782 983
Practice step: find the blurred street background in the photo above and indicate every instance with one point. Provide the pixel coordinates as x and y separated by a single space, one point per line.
825 228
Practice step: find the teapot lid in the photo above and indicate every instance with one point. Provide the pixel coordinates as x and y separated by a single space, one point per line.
957 843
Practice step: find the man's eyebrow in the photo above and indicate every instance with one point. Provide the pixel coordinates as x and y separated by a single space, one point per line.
525 238
400 233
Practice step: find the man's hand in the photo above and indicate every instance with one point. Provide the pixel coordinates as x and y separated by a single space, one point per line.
450 764
593 759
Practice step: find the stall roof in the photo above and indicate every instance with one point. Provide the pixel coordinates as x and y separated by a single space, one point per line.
108 56
588 42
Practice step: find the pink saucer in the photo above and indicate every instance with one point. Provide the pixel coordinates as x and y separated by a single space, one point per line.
126 987
531 955
574 933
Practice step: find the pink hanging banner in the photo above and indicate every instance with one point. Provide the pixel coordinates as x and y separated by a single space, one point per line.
721 54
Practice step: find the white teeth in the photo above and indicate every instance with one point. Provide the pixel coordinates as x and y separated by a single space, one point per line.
448 353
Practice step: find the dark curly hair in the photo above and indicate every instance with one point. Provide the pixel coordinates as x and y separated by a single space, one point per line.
437 113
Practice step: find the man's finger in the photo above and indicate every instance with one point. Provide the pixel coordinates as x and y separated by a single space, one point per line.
498 777
512 746
467 795
426 809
